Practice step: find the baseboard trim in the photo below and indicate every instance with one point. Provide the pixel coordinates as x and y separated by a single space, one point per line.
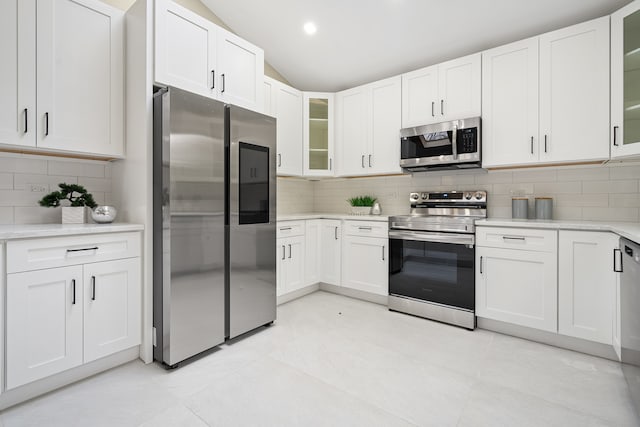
283 299
37 388
549 338
354 293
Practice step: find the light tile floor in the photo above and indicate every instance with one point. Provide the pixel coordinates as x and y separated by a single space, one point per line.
336 361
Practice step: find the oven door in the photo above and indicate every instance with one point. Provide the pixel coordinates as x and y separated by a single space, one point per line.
433 267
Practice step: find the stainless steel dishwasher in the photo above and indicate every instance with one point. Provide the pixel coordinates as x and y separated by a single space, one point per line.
630 317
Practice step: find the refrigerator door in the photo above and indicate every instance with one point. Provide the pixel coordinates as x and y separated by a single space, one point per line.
252 221
189 250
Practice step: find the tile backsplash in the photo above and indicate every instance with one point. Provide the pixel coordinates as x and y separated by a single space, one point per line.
593 192
24 179
295 195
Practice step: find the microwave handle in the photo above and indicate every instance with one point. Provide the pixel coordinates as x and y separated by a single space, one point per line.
454 147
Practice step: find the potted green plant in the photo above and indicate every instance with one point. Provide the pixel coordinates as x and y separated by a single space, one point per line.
361 205
76 199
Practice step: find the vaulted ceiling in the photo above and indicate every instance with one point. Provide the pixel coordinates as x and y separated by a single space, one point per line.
359 41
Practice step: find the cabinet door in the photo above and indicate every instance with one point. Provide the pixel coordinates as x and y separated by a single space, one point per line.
365 265
294 269
185 49
241 66
351 130
80 77
330 252
574 93
268 100
459 88
111 307
419 96
44 323
510 104
318 134
385 122
281 266
312 251
586 285
289 130
18 72
517 287
625 81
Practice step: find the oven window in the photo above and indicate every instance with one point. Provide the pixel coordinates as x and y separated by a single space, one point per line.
436 272
427 145
254 184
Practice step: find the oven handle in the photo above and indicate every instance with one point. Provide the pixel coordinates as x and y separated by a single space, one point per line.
457 239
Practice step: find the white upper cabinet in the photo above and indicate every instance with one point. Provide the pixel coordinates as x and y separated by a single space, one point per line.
510 104
194 54
76 61
285 104
574 93
18 72
625 81
368 120
447 91
80 76
317 129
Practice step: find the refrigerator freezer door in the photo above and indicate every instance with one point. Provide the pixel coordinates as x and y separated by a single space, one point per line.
189 311
252 221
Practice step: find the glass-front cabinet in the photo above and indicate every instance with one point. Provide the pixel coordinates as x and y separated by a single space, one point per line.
319 157
625 81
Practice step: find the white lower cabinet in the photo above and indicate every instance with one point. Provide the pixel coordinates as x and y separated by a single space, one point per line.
290 268
587 285
312 249
330 251
60 318
517 286
365 265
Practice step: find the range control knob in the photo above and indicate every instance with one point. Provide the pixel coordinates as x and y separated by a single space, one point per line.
468 196
479 195
425 196
413 197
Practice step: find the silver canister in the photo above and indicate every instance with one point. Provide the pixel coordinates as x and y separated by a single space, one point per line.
544 208
519 208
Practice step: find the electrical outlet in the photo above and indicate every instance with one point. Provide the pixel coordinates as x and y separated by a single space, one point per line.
38 188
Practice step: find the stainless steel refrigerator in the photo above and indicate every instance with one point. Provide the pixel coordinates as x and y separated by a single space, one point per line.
214 223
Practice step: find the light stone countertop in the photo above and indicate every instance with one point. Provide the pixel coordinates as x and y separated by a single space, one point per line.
28 231
303 216
629 230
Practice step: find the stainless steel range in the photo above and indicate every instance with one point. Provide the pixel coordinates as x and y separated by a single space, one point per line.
432 256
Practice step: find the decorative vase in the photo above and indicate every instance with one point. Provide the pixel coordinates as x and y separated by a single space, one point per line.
74 214
360 210
104 214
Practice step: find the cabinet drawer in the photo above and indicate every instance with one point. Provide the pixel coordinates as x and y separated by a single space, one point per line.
290 229
517 238
36 254
366 228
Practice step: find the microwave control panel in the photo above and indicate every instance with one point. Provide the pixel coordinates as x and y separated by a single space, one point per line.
467 140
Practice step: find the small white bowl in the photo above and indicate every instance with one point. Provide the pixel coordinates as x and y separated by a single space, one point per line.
104 214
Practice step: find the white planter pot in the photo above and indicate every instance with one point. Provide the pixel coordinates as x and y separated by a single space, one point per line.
360 210
74 215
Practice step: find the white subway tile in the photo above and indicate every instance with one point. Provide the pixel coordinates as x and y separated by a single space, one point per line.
6 215
37 215
77 168
494 177
6 181
625 172
583 174
23 165
537 175
458 180
610 214
513 189
50 182
621 186
19 198
567 213
499 212
549 188
95 184
580 200
624 200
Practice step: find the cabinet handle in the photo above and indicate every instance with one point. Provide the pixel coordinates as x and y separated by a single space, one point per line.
93 288
433 106
364 228
545 143
442 107
513 238
480 265
95 248
213 79
335 233
223 83
369 160
362 161
283 252
615 264
73 286
279 160
531 145
383 252
46 124
615 133
330 163
285 228
289 251
26 123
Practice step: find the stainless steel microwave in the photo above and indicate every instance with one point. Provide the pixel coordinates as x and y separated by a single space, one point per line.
448 145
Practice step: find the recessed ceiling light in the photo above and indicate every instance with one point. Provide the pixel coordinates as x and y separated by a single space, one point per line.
310 28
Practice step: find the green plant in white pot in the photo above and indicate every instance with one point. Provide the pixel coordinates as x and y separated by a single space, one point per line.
361 205
76 199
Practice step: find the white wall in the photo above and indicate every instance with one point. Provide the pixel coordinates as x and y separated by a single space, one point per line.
579 192
24 179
